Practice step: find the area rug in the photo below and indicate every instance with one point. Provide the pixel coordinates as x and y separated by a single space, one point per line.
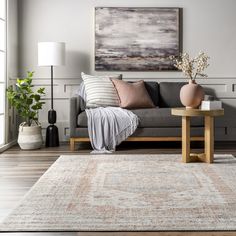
129 193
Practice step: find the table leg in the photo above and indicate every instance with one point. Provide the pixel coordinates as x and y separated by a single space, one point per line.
72 144
209 139
185 139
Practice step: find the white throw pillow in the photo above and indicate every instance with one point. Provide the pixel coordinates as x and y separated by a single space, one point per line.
100 91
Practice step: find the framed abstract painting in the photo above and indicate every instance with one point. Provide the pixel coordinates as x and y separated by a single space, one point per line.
137 39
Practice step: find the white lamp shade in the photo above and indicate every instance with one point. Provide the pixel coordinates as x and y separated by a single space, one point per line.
51 53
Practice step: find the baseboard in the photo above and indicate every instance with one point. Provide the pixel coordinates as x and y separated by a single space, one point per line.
8 145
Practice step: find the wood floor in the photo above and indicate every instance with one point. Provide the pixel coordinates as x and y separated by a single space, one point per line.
19 170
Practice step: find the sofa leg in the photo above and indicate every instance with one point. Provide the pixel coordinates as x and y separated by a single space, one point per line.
72 144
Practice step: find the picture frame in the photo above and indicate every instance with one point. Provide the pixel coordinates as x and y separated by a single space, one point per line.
137 38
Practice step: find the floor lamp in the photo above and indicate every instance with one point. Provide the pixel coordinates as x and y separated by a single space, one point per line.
51 54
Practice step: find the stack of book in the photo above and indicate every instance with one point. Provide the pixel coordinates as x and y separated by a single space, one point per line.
211 105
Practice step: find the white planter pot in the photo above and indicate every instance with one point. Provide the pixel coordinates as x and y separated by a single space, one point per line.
30 137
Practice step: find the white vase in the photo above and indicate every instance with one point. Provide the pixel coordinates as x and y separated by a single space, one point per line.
30 137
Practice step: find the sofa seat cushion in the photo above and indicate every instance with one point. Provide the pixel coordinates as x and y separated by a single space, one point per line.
82 120
161 117
152 117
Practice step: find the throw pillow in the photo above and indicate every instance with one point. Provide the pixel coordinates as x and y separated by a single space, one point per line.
133 95
81 91
100 91
82 94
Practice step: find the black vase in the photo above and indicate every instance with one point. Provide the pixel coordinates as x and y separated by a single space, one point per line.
52 117
52 137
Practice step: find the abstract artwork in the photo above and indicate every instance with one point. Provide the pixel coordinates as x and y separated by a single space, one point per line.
136 39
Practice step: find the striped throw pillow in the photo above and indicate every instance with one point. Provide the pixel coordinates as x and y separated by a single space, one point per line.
100 91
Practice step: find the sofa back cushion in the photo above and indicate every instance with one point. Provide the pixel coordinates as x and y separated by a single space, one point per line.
169 94
153 91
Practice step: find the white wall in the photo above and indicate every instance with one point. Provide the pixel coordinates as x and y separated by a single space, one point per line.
208 25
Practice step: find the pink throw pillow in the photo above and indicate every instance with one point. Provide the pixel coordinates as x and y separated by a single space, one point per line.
132 95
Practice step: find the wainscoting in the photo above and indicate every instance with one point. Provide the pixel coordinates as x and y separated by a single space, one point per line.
222 88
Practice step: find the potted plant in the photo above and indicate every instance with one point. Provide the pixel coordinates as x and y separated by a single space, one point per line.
192 94
27 103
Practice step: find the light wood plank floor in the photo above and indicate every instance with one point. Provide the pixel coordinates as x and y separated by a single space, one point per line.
19 170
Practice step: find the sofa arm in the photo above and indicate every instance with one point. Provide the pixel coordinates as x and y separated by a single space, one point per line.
74 111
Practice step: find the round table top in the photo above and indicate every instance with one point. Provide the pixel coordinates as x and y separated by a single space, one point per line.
196 112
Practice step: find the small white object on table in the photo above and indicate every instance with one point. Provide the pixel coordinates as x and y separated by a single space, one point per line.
211 105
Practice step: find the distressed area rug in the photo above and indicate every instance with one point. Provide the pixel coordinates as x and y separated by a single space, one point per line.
129 193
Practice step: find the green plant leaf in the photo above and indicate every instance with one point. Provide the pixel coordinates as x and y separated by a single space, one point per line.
29 101
37 97
41 90
22 97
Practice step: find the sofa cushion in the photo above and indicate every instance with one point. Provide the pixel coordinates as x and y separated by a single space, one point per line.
82 120
161 117
153 91
169 94
151 117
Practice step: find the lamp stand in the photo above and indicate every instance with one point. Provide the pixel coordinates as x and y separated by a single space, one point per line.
52 137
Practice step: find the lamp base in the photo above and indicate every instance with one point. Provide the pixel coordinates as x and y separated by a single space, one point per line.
52 138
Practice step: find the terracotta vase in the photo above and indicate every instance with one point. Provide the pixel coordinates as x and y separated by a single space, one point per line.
191 94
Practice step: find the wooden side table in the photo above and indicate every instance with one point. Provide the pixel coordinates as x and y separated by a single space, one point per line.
208 155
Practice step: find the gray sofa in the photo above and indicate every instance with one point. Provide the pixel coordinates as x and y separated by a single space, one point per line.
156 124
